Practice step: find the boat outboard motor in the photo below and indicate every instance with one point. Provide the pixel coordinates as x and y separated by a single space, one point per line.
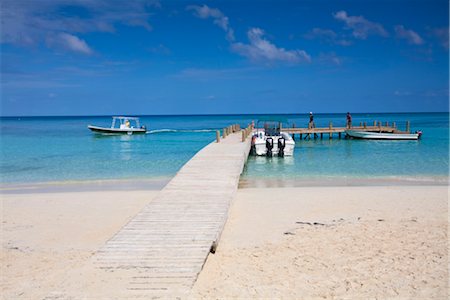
281 145
419 134
269 146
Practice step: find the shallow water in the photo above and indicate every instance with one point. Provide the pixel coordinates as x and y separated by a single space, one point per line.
47 149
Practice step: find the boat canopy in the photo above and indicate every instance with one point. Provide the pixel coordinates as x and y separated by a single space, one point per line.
123 119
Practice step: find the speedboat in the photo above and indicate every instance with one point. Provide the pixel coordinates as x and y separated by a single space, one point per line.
121 125
270 140
369 135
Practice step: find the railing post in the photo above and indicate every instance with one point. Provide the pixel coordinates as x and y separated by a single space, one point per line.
331 128
243 136
394 125
408 126
374 123
365 125
224 133
217 136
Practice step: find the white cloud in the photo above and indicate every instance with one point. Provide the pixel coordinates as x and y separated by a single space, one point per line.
69 42
360 26
205 12
261 50
411 36
32 22
328 36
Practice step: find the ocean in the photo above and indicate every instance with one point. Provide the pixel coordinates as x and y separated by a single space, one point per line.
62 149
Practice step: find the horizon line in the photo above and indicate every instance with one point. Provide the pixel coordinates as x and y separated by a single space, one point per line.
200 115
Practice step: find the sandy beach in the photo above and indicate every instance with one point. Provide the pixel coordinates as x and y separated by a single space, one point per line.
332 243
46 235
303 242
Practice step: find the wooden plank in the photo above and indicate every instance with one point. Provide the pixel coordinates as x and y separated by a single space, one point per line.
165 246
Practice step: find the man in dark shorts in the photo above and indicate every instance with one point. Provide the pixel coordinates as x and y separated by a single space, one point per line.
349 120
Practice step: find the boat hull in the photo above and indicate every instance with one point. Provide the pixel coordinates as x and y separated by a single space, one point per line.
105 130
261 149
381 136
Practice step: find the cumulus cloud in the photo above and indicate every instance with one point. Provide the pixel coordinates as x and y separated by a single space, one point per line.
411 36
33 22
260 49
69 42
360 26
328 36
206 12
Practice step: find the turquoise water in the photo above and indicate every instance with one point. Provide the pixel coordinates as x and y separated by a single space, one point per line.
44 149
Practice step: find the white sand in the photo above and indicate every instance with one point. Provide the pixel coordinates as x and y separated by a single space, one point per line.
377 242
46 235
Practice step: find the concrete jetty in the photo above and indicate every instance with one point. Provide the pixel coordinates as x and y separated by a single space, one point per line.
161 251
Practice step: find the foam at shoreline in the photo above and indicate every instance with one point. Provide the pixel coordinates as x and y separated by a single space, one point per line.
343 181
158 183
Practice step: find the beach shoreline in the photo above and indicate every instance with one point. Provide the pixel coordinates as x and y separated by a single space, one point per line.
158 183
341 181
133 184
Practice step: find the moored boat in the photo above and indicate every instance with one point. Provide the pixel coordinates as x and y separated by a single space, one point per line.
121 125
271 141
369 135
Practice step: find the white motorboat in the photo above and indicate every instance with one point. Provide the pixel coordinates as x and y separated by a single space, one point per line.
369 135
121 125
271 141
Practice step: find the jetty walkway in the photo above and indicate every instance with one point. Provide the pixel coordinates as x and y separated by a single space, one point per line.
161 251
331 130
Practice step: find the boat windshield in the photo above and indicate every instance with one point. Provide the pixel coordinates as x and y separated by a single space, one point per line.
125 122
272 128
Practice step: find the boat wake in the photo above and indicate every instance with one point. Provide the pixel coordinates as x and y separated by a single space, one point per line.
178 130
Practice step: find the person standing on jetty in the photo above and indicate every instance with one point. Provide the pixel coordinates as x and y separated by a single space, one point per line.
349 120
311 121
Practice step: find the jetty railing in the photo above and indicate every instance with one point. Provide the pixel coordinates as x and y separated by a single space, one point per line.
331 129
226 131
312 130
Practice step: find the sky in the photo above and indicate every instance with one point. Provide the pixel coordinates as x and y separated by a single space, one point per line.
107 57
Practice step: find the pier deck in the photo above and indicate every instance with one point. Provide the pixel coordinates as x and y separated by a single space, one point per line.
161 251
338 130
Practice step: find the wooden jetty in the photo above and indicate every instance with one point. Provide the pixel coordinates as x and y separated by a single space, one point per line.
161 251
330 130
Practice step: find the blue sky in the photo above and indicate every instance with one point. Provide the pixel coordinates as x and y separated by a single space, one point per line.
103 57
